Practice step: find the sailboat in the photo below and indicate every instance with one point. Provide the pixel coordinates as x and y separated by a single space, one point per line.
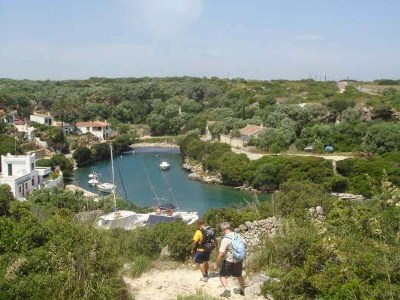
164 212
107 187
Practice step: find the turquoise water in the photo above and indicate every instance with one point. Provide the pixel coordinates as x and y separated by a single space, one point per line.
144 182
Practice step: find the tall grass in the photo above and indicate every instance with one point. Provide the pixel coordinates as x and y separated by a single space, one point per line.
139 265
200 295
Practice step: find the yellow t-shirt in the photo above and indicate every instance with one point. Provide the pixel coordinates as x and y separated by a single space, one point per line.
198 237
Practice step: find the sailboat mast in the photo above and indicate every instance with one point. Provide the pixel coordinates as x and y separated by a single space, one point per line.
113 177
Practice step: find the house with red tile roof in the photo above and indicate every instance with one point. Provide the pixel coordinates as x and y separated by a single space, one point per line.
246 133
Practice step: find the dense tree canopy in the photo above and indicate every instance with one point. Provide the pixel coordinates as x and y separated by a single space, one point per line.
174 105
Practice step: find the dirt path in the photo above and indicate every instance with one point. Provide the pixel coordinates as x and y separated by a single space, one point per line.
181 281
155 145
254 156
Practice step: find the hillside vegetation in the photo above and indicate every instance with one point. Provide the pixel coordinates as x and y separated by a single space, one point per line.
300 113
348 250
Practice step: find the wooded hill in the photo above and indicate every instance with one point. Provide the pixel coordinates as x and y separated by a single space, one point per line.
348 252
298 113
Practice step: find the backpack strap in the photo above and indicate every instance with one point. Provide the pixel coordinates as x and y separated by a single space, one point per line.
230 237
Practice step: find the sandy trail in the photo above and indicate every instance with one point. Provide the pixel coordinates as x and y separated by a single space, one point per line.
184 280
254 156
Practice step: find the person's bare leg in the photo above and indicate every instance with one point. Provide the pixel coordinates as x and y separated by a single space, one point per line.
241 282
224 282
226 293
203 268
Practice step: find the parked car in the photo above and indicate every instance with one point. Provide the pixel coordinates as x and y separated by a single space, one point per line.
309 149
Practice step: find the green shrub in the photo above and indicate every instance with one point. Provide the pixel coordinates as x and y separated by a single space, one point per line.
295 198
139 265
43 162
82 156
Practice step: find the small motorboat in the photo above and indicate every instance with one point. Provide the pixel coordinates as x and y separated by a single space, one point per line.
93 182
93 179
164 165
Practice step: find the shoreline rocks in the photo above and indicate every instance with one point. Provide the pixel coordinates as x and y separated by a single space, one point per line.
247 188
197 173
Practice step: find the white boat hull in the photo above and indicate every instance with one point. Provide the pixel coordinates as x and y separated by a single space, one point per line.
164 165
93 182
106 187
131 220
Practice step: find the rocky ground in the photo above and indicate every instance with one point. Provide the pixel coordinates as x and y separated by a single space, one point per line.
167 280
185 280
197 173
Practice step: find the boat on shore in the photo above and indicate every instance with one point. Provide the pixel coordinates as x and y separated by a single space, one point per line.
130 220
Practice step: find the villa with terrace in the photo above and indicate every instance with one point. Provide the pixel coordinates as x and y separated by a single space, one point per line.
102 130
22 175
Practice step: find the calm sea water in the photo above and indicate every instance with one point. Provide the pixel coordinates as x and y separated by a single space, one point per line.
140 180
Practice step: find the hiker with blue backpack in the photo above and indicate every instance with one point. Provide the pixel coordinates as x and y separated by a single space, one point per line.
230 258
204 242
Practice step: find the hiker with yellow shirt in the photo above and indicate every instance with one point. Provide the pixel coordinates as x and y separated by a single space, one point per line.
203 243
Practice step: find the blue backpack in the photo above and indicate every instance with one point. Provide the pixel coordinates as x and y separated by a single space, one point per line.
238 247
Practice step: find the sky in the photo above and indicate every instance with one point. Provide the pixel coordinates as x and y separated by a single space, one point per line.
251 39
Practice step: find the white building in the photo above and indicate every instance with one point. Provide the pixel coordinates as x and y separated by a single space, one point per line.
42 119
49 120
66 127
26 130
21 174
342 85
100 129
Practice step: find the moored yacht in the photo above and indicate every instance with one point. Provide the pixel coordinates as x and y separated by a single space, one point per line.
106 187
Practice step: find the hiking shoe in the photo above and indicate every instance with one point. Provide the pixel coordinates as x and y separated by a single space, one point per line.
226 294
204 278
238 291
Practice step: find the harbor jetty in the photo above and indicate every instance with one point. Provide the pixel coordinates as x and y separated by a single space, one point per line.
86 193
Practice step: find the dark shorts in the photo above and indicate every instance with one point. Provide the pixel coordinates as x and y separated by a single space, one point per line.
231 269
201 256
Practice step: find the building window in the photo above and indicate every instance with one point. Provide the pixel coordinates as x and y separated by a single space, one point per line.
20 189
33 181
32 166
9 166
26 185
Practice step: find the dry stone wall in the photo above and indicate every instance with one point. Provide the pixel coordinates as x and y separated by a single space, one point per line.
253 232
